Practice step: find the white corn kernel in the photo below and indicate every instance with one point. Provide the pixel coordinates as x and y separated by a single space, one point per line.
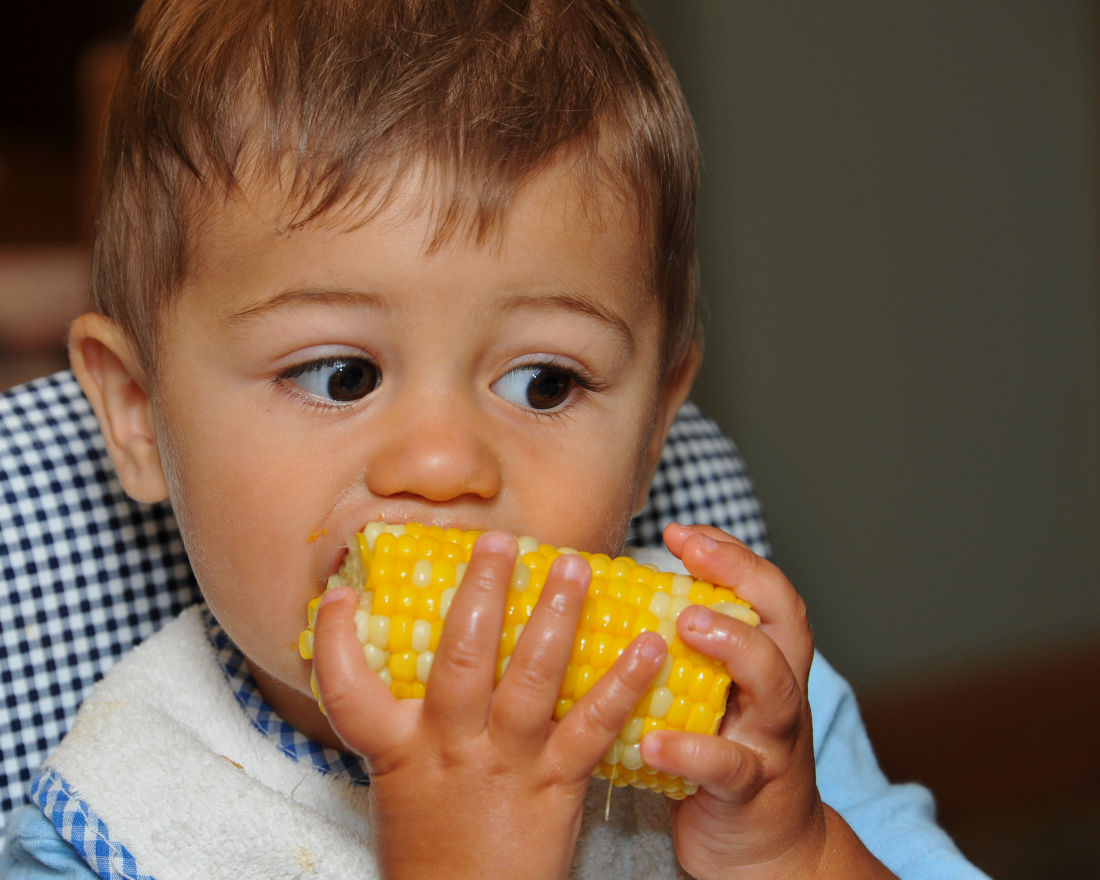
377 659
424 666
632 757
421 635
632 731
681 585
527 544
445 599
372 531
380 631
659 603
422 573
362 624
661 701
738 611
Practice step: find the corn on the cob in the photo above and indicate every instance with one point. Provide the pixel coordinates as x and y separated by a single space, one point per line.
406 576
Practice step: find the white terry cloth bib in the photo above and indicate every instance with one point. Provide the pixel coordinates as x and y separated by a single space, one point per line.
174 770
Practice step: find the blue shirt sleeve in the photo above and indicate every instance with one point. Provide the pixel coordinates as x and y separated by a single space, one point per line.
897 823
33 850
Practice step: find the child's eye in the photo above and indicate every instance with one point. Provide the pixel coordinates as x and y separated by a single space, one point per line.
337 379
538 386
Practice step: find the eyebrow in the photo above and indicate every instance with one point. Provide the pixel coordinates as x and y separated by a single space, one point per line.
564 300
308 296
572 302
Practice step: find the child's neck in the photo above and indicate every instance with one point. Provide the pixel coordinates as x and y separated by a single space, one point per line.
298 710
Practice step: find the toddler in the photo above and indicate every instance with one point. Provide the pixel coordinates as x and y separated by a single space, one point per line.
420 260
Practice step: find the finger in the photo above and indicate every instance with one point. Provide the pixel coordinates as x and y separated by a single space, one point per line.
526 696
590 727
728 770
354 698
676 534
712 555
769 696
464 668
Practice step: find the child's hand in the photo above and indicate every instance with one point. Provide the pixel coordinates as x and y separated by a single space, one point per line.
758 813
476 780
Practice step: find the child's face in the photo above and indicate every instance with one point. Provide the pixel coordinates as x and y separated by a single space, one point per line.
316 380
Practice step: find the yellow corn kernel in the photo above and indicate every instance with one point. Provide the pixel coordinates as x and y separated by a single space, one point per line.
407 574
403 665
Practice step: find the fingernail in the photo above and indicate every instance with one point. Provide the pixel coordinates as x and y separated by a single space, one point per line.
335 594
697 618
496 542
707 544
653 648
651 746
572 567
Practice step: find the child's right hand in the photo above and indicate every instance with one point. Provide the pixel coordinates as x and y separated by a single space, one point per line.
476 780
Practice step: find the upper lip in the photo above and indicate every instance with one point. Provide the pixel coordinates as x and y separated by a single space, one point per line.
443 519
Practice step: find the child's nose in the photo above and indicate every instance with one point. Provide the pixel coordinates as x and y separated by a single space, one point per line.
440 457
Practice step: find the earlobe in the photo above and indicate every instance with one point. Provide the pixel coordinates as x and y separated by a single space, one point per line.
109 371
674 392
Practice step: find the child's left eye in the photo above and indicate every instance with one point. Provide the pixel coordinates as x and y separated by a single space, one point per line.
538 386
338 379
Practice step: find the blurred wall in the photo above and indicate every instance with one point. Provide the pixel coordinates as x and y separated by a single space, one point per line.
899 254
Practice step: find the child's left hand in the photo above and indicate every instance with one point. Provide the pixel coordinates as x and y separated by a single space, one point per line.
758 813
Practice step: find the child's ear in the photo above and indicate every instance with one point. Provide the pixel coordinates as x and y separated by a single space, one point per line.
674 392
109 371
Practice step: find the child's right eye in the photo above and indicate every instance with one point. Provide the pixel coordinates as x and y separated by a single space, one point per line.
337 379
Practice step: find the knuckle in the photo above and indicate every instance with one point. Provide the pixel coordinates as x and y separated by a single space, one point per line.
338 699
789 700
534 675
462 655
741 773
602 716
747 562
741 640
607 705
799 613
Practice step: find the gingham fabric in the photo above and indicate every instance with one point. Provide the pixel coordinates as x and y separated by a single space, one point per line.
78 824
292 743
701 478
87 572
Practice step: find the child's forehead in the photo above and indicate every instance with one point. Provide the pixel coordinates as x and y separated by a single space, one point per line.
449 207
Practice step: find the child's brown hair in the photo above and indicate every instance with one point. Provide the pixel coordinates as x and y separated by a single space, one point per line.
334 100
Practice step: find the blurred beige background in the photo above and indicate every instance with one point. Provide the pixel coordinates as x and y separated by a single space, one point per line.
899 246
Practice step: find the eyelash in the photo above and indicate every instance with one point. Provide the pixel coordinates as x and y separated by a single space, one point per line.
583 382
285 380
